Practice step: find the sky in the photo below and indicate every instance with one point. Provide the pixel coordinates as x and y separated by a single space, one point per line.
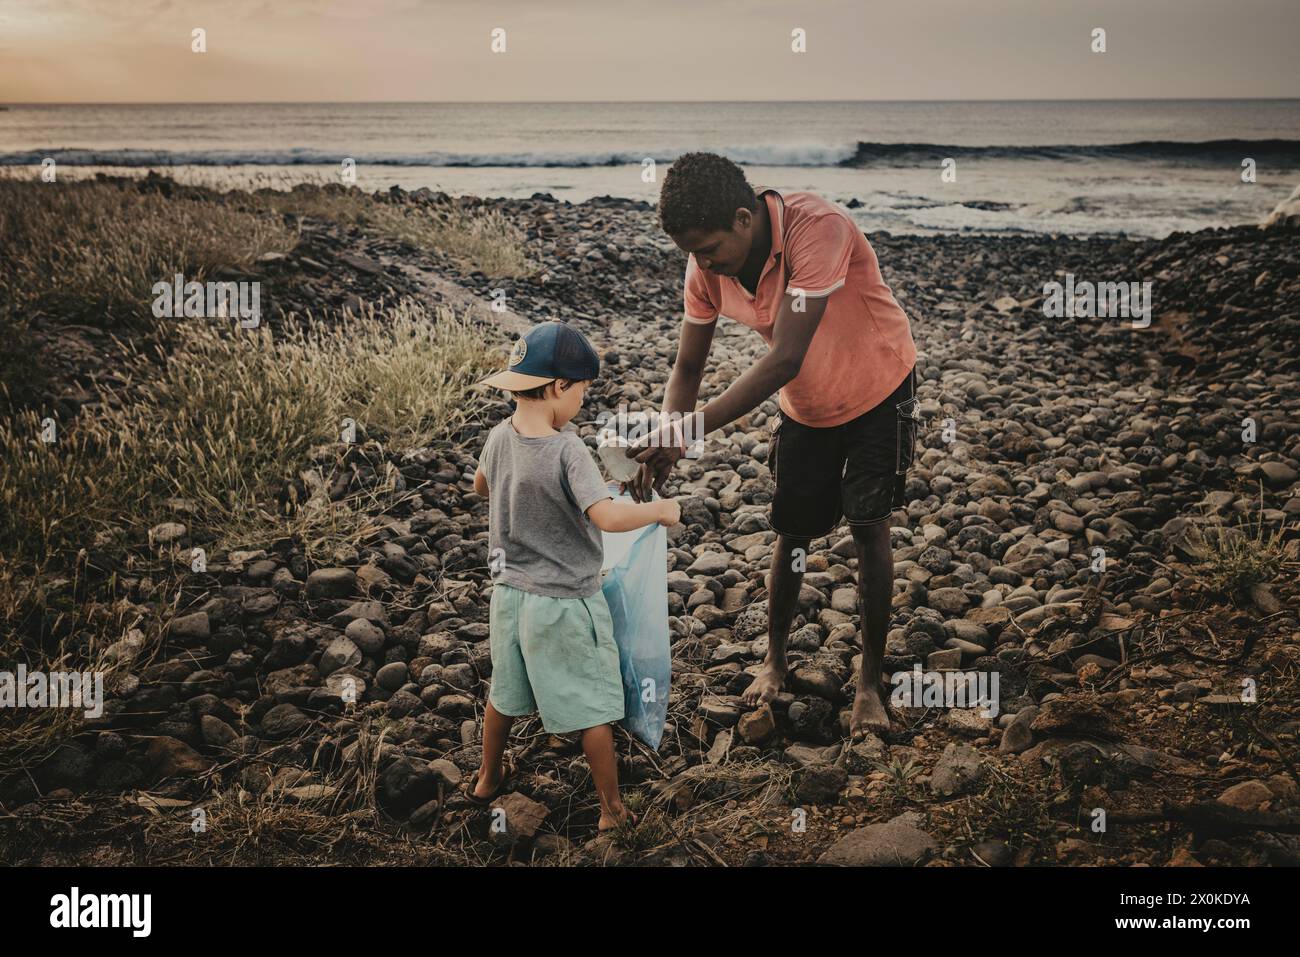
125 51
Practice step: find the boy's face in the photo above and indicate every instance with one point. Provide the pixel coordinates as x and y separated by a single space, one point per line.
722 251
566 400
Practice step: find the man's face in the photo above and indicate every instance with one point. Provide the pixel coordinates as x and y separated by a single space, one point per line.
722 251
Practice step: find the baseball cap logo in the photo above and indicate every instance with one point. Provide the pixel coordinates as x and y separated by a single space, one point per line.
518 352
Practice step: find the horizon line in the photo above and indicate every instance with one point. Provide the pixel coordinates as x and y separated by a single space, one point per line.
1126 99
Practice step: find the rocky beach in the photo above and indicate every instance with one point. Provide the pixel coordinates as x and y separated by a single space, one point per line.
1103 514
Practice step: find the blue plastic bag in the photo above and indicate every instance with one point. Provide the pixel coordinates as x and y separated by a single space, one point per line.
636 590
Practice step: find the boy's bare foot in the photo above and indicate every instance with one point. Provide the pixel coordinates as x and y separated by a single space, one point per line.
486 786
765 685
869 714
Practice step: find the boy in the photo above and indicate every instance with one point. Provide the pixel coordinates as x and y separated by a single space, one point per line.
797 270
552 637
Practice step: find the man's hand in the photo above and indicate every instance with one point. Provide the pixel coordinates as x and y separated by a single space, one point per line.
658 458
656 463
657 452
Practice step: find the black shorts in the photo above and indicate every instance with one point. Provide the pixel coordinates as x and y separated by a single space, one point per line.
856 470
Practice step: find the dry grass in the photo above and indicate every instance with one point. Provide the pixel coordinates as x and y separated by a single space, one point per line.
717 792
226 419
49 623
484 240
1238 557
91 252
214 421
1012 807
208 427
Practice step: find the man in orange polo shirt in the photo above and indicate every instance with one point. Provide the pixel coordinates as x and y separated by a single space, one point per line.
798 271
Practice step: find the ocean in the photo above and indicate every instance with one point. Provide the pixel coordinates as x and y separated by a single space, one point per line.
1141 168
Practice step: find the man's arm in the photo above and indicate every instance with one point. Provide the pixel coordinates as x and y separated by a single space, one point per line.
680 396
480 482
792 333
688 370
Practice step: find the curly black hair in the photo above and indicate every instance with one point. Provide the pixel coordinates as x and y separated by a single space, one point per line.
703 191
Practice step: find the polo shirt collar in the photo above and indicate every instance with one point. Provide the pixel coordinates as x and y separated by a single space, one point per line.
776 216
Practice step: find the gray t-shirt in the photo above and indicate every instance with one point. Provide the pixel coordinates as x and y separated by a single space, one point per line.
539 489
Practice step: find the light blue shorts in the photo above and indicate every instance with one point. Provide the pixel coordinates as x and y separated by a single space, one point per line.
555 656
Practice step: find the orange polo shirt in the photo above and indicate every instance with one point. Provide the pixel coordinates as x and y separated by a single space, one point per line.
862 349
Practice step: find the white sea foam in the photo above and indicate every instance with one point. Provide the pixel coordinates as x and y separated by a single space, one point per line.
1134 167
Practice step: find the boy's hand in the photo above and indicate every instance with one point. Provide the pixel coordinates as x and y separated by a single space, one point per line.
670 512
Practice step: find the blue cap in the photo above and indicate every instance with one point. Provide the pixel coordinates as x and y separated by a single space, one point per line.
552 350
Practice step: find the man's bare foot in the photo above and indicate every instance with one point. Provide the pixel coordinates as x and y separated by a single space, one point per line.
765 685
614 817
869 715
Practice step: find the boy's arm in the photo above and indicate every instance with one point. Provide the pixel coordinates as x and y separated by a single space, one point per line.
485 459
587 488
611 516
